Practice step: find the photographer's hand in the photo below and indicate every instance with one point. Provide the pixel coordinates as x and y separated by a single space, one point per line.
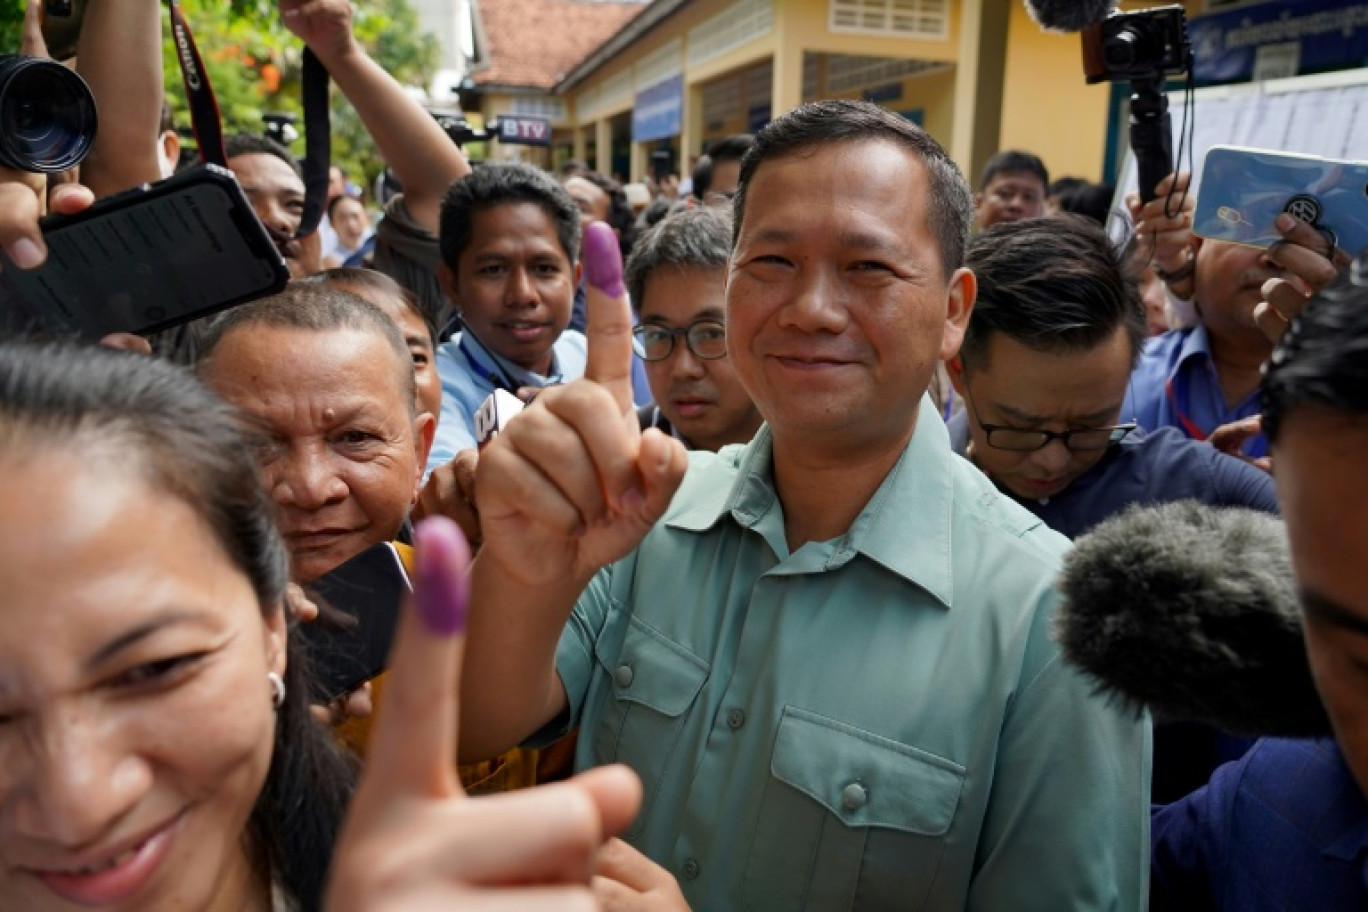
1164 240
324 25
1306 256
23 201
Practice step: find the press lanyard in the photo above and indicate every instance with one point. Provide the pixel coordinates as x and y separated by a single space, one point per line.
498 379
1190 427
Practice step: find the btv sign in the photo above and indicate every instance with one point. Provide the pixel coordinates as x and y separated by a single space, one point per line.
525 131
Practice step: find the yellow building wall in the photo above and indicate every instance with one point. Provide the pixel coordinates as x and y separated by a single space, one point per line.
1047 108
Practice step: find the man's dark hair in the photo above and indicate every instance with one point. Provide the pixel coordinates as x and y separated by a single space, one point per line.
950 209
188 444
503 185
1091 201
1065 184
698 238
1014 162
168 120
731 149
620 215
316 307
1322 362
1053 285
252 144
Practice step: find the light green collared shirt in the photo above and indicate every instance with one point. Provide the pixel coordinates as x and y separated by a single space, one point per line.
879 721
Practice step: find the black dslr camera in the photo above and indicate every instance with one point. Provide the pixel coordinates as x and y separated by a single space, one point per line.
47 115
1144 49
1144 45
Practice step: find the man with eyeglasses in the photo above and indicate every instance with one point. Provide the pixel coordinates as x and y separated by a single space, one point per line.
677 280
1044 370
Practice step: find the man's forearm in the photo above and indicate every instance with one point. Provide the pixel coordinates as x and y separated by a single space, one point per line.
416 148
510 688
119 54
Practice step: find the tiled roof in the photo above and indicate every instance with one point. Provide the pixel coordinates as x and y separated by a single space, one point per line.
534 43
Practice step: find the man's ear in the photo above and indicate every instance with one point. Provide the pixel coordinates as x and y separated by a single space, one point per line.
424 429
1196 243
954 369
446 277
962 293
579 273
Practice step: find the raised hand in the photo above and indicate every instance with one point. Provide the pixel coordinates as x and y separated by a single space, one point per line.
1312 262
413 841
23 201
572 484
324 25
1163 237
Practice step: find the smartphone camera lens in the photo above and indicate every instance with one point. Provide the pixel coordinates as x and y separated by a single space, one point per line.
47 115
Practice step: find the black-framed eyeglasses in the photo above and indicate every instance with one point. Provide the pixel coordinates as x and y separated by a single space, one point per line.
1021 440
707 339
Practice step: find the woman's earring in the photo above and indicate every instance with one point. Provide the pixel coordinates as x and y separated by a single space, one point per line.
277 689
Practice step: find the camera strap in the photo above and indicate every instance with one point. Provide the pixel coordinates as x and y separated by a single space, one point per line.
207 122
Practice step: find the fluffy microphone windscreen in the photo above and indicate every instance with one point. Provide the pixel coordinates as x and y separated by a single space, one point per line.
1192 612
1068 15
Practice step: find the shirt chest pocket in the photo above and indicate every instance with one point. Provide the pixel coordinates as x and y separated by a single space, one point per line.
849 819
654 681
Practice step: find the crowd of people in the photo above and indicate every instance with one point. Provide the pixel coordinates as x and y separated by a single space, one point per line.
752 605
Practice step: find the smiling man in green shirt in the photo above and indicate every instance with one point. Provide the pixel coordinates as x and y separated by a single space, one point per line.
828 656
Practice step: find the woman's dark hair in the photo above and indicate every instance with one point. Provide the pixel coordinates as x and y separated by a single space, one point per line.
185 441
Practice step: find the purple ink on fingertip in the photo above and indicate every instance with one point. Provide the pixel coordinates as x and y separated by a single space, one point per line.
602 258
442 589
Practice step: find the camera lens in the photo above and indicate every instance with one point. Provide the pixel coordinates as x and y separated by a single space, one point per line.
47 115
1125 49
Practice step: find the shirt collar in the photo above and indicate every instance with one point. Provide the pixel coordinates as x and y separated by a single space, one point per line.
1196 344
502 368
919 485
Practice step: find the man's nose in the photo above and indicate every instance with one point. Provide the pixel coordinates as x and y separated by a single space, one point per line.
80 779
308 480
1053 457
817 304
520 289
684 364
275 217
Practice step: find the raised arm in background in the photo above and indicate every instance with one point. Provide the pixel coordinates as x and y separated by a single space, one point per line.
417 150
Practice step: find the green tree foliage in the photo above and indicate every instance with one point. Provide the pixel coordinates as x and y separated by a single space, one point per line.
255 67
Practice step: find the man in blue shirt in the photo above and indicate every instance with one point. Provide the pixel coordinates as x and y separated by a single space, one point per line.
1206 376
510 239
1044 370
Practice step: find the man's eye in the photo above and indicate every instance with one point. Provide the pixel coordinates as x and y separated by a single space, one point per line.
547 269
354 437
709 333
420 358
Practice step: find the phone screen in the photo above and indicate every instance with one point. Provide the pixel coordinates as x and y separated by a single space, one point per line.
147 261
367 592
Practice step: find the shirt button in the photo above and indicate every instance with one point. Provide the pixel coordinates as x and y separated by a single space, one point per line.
623 676
735 719
854 796
690 868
